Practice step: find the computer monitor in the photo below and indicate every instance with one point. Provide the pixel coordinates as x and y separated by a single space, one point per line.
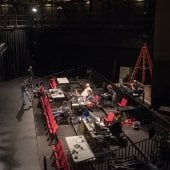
100 130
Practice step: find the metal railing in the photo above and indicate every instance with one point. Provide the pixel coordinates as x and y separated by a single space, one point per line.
101 162
146 151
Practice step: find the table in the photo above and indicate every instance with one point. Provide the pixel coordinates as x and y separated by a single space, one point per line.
56 93
96 137
121 109
79 148
90 125
127 108
79 103
63 80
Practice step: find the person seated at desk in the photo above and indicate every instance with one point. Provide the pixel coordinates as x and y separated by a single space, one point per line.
109 95
87 90
115 127
136 88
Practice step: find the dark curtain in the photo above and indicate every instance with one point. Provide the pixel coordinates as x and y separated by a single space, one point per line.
161 60
16 59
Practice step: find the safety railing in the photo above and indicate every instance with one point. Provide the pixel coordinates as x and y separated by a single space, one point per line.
101 162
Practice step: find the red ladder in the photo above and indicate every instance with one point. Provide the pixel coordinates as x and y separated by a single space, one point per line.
141 64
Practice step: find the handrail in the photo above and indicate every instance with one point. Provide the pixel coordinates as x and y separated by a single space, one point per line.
142 150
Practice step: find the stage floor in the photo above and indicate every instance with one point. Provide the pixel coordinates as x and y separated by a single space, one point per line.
23 139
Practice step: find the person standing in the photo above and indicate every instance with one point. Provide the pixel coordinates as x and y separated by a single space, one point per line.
25 93
30 74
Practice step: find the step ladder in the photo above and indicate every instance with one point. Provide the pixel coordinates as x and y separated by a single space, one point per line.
143 62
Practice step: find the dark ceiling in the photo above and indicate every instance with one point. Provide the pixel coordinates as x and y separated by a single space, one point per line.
121 14
131 19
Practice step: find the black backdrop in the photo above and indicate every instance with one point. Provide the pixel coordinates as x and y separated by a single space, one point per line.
17 56
57 49
53 50
161 69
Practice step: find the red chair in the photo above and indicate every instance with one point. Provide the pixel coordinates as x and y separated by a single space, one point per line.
94 104
64 163
57 146
123 102
60 159
53 133
110 117
97 100
57 156
61 163
57 150
90 105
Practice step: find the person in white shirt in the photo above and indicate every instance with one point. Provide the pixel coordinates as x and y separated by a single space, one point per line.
87 90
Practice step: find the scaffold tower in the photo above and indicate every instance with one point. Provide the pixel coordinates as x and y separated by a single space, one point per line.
143 63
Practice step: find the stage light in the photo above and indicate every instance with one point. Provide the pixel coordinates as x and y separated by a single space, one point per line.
34 9
88 2
2 52
2 46
48 5
59 8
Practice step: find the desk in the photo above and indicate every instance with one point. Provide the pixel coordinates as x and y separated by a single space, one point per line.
97 137
79 100
126 111
79 148
56 93
127 108
63 80
90 126
79 103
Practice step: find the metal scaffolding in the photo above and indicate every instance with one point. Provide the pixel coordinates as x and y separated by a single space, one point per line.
143 62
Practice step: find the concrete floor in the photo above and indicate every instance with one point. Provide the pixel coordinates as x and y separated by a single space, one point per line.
23 142
18 141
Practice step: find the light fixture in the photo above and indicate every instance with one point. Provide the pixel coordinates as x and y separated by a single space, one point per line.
3 48
2 45
47 5
88 2
34 10
59 8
